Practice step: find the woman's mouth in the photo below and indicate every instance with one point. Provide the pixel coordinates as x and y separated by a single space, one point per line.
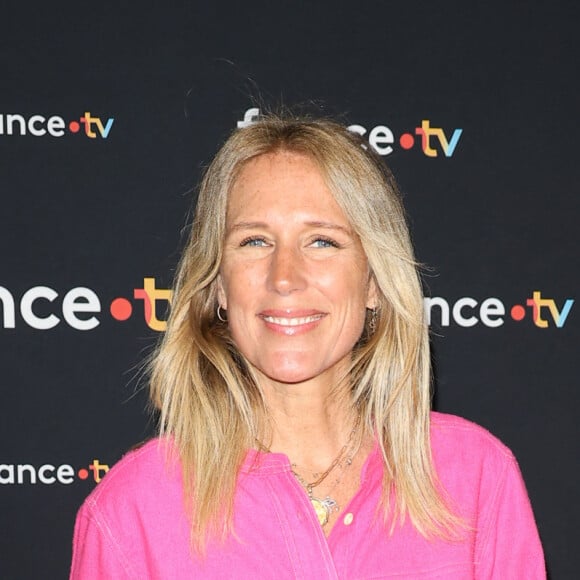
293 323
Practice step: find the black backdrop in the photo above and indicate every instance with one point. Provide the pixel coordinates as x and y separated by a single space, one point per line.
90 210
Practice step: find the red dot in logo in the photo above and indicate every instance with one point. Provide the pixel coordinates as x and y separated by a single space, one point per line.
518 312
121 309
83 473
74 126
406 140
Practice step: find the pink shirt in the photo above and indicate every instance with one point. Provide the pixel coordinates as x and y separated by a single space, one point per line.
133 524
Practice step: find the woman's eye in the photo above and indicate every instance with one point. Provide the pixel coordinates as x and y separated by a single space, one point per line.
324 243
253 242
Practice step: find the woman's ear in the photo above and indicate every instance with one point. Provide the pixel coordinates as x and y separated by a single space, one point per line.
372 294
221 293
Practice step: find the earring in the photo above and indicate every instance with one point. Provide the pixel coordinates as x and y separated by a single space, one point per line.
219 314
372 321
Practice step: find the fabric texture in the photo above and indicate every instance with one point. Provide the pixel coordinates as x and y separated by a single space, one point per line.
133 525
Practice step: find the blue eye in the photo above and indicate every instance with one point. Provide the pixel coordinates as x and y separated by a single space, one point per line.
253 242
324 243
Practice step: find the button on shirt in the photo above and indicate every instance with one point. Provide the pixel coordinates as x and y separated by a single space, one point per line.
133 525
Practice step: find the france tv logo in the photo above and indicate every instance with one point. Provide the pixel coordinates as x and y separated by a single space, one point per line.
89 125
42 308
381 138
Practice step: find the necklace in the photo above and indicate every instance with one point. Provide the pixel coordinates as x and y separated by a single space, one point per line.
324 507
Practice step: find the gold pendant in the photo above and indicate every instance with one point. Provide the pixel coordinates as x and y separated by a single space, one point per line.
323 508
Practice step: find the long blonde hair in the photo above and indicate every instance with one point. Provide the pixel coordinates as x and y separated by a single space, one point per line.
208 401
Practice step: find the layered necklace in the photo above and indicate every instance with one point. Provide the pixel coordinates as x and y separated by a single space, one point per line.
325 507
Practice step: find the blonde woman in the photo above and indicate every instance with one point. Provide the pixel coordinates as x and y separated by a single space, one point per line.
293 388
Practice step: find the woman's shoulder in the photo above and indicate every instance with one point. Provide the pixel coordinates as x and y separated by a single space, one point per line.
459 433
467 454
133 517
140 475
484 484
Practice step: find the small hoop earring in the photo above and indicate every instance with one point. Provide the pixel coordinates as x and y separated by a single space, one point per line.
219 315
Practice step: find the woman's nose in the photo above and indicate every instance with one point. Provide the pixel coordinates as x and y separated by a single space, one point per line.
286 271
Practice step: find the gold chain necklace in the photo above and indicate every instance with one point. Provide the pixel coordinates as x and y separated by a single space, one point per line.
324 507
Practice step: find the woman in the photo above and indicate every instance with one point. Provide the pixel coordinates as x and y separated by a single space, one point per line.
293 391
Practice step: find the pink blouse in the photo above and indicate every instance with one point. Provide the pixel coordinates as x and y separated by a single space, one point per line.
133 525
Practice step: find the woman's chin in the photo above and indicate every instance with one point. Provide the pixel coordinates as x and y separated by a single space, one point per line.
288 370
289 376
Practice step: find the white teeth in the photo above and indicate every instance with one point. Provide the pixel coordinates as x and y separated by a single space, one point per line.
292 321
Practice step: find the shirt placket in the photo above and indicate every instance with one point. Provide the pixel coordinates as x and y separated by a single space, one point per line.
354 520
305 541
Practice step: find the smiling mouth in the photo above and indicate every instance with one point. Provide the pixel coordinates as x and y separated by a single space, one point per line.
296 321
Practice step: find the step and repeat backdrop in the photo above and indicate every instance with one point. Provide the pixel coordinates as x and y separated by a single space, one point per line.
107 118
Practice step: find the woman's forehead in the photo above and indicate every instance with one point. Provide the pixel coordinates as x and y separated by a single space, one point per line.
281 182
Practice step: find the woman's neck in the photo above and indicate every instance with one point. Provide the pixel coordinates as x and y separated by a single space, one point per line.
309 422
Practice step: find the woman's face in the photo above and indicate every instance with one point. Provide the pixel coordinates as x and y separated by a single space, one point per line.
294 278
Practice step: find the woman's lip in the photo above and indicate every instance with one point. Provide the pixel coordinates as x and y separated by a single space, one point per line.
290 313
291 322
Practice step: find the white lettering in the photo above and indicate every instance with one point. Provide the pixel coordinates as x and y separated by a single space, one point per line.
56 126
442 304
81 300
20 469
31 125
76 301
37 125
8 318
30 296
25 473
65 474
10 119
491 311
458 316
41 474
358 129
381 138
492 307
6 474
250 117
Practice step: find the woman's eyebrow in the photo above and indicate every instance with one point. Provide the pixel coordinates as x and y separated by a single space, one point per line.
249 225
329 226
